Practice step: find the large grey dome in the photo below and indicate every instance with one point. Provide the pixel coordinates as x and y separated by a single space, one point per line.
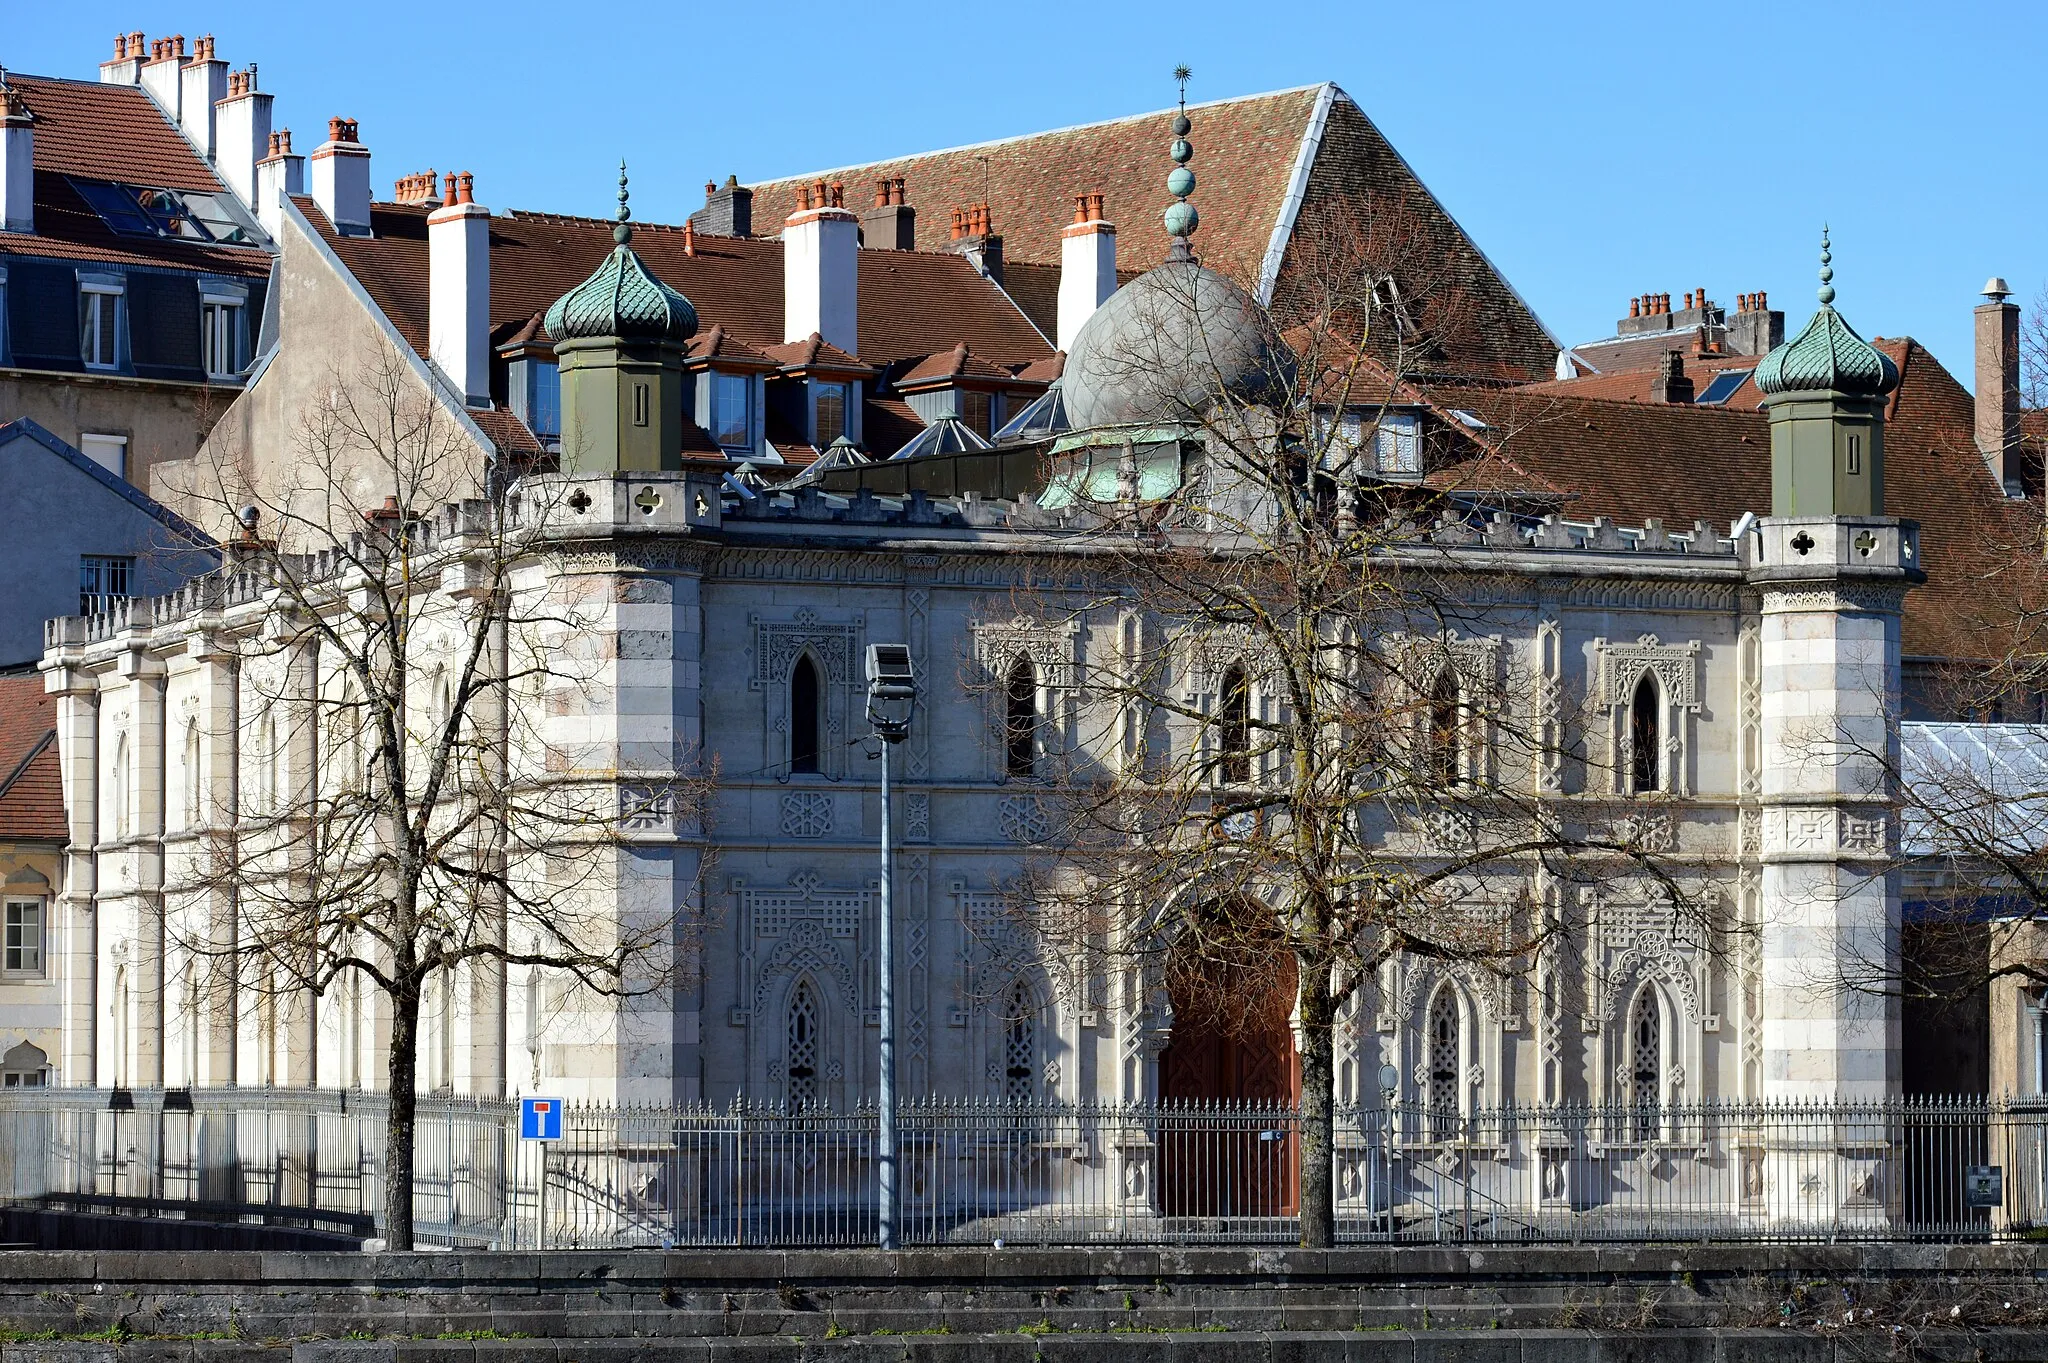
1165 346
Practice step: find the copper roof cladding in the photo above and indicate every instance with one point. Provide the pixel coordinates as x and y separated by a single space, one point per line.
1246 152
112 132
31 789
1679 463
911 302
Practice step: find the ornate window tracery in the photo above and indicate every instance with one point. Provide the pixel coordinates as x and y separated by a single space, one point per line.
1020 718
1645 1065
1444 1040
801 1047
1645 738
1234 738
803 716
1020 1044
1442 731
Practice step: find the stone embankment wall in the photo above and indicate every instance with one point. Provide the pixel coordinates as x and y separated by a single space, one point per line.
1556 1304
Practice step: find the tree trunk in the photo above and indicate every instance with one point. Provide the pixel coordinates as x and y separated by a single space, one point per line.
1318 1085
398 1134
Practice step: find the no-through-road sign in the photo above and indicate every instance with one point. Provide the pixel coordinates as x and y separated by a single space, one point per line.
540 1119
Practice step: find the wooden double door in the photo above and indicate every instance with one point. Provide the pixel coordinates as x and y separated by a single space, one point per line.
1224 1075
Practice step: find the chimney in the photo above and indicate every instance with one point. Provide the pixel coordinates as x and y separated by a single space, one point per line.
973 235
280 172
891 225
459 290
1087 266
820 270
1755 329
126 66
162 73
241 126
1671 383
728 210
17 162
203 83
341 178
1998 383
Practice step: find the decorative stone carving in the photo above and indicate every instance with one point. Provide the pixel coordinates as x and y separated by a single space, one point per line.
1649 830
1023 819
806 814
917 816
646 809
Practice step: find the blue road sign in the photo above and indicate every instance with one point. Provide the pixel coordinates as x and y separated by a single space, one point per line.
540 1119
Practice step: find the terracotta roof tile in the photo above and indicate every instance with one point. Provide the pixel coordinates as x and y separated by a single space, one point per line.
68 229
959 362
1633 385
911 302
812 353
31 785
1245 152
109 132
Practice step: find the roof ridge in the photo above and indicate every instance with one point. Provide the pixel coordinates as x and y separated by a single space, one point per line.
1043 132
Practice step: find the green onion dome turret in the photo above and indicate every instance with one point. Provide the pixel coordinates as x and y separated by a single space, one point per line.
1828 355
622 299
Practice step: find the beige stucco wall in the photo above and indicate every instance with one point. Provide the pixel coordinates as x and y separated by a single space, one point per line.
29 1008
273 438
163 420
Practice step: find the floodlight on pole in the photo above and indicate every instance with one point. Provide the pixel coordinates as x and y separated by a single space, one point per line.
892 699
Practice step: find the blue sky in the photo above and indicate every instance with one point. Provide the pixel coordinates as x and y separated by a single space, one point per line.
1595 151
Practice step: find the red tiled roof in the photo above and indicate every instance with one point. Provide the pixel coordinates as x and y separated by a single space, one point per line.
31 786
68 229
812 353
109 132
1045 370
959 362
1646 350
1245 154
720 344
911 302
1633 385
1678 463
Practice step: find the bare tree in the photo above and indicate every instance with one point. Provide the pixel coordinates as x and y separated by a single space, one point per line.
1301 752
399 814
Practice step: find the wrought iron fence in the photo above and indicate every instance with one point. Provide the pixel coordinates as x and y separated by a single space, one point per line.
1019 1173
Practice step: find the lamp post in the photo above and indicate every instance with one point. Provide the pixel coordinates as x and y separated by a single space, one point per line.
892 696
1390 1086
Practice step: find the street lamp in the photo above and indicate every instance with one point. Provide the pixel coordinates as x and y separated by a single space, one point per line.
1390 1086
892 696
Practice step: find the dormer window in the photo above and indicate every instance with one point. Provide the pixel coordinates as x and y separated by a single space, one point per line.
536 390
732 416
99 321
1397 445
974 411
828 412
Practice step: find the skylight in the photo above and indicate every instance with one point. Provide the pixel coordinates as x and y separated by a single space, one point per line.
1722 388
137 211
1469 418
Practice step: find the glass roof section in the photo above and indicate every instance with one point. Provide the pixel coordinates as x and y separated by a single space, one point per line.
1046 416
1723 387
138 211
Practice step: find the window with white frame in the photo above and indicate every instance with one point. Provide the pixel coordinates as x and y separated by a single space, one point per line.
99 321
220 335
21 946
731 421
1397 444
25 1067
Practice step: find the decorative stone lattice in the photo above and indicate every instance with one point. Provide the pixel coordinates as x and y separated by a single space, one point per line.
1023 819
806 814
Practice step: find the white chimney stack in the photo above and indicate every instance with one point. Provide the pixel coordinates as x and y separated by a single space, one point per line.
162 72
820 269
459 291
280 172
203 84
1087 266
17 163
126 66
241 126
341 178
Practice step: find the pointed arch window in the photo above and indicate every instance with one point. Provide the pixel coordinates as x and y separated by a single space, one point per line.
1444 1040
801 1043
1441 730
1020 1043
119 791
1235 725
803 716
1645 1065
1645 738
1020 719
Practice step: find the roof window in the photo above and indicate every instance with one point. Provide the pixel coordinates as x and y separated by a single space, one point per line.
137 211
1469 418
1723 386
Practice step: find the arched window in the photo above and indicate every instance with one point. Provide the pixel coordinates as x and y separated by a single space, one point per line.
803 716
118 789
266 774
194 787
1020 1043
1645 1065
1646 766
1020 719
1445 1042
801 1041
1441 733
1235 738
